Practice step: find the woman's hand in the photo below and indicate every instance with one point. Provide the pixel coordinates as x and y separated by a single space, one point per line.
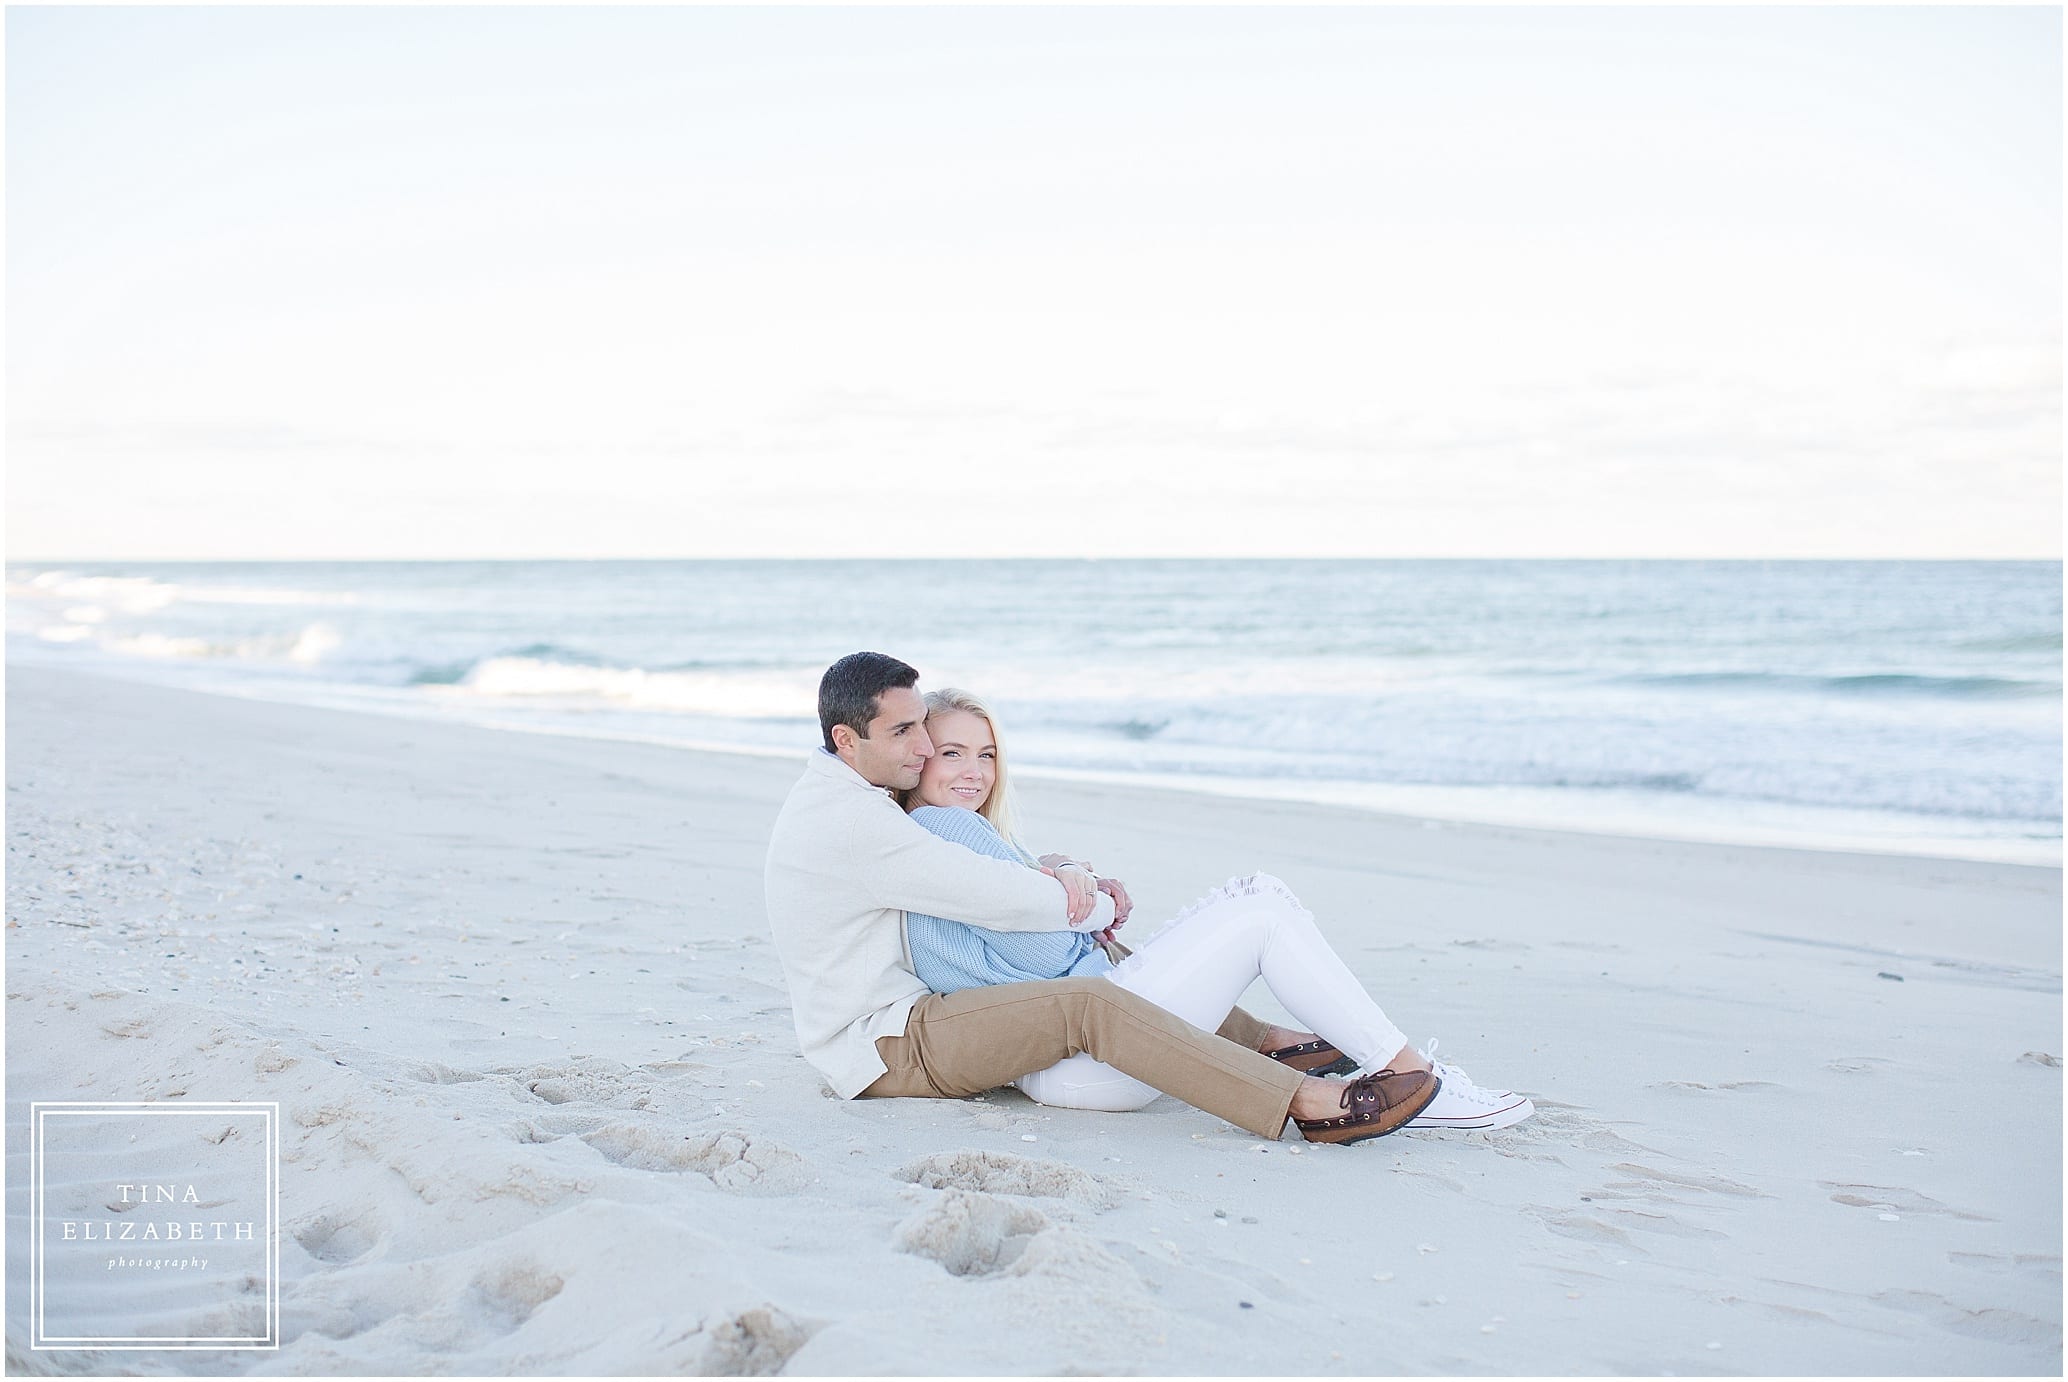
1079 886
1122 903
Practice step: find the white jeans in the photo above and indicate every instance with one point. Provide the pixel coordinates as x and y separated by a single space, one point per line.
1199 963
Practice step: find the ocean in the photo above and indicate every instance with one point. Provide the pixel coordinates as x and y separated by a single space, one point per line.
1892 706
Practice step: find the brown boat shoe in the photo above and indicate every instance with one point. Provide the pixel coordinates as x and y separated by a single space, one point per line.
1314 1057
1374 1105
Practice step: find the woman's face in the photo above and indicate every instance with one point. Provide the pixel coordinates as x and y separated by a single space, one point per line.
964 763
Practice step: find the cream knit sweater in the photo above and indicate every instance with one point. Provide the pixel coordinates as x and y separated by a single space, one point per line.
844 864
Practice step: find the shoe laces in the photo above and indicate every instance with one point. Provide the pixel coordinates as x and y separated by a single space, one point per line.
1350 1087
1455 1081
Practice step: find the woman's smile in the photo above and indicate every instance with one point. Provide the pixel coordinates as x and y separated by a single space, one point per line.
964 765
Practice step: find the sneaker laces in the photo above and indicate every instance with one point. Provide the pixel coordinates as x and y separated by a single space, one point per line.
1457 1083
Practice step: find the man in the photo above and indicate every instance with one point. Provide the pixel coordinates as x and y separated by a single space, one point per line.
845 863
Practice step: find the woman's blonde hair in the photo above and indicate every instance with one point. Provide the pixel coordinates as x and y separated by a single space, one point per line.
1000 808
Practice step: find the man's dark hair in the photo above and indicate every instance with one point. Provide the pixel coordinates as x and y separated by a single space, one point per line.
850 691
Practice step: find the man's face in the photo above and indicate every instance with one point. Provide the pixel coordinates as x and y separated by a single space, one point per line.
897 747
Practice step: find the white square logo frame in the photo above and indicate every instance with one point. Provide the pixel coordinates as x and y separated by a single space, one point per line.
266 1119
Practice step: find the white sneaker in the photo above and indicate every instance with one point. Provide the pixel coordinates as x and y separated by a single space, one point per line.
1463 1104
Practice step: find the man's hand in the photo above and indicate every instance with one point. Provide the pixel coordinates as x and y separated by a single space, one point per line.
1122 903
1080 887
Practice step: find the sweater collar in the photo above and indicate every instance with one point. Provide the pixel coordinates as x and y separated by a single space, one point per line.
831 765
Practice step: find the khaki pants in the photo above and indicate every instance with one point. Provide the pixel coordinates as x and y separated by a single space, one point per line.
958 1044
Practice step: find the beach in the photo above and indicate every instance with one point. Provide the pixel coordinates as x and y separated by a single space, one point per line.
542 1108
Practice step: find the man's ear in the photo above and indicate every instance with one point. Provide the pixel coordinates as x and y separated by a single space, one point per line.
844 740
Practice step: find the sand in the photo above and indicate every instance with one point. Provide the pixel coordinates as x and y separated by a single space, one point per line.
543 1110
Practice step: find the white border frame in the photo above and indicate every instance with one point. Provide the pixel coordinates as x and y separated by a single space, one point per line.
39 1340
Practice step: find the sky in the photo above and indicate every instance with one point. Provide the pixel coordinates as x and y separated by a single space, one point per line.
641 282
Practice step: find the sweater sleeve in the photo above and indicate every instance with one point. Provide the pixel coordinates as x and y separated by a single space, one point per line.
903 866
972 831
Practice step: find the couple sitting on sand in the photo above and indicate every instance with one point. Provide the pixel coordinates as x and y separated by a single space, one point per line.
903 821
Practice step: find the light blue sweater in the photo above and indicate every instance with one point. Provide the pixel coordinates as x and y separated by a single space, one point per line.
952 955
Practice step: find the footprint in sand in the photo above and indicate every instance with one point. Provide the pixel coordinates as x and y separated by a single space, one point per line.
341 1236
732 1159
970 1234
416 1306
272 1060
551 1127
433 1181
589 1080
754 1343
513 1290
1002 1173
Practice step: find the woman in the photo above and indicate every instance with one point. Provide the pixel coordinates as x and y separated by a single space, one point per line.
1196 966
